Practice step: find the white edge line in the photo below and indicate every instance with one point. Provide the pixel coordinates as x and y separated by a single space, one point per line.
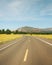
44 41
25 57
6 46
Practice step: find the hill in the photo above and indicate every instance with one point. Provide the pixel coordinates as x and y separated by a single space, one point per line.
34 30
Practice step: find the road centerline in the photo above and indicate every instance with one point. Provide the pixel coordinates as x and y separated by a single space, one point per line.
26 54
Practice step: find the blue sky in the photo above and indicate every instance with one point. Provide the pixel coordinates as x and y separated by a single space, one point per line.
18 13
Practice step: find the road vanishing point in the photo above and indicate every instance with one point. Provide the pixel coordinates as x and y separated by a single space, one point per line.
27 50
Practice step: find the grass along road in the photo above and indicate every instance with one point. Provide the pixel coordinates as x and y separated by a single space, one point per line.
44 36
9 37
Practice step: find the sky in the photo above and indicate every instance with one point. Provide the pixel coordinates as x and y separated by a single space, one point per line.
20 13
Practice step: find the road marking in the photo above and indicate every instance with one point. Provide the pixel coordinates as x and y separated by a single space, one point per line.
7 46
25 57
44 41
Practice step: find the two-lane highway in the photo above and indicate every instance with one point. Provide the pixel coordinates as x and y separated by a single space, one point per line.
27 51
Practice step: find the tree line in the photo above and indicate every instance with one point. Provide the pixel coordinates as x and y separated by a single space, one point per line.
3 31
8 31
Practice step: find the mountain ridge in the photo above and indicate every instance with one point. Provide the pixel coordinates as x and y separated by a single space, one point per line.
32 29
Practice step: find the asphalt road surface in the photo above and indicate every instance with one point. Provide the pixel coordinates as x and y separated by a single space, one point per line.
26 51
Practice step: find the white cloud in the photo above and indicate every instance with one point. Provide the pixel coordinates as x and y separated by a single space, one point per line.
1 15
13 8
22 10
16 8
47 10
19 7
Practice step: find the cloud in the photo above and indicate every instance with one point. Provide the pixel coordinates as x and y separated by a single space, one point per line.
47 10
15 8
23 19
24 9
18 7
1 15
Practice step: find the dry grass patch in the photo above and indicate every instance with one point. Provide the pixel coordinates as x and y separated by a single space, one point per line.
44 36
5 37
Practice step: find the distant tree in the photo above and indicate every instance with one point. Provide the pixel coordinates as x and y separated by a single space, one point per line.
8 31
15 32
2 31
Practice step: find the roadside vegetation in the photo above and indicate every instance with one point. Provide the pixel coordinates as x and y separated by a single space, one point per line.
5 37
44 36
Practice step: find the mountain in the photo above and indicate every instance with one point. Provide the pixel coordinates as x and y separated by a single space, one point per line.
28 29
33 30
46 30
